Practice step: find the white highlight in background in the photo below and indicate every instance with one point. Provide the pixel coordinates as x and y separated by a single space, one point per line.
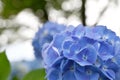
20 51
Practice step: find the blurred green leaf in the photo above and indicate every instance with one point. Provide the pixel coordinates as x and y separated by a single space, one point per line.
4 67
38 74
15 78
12 7
56 4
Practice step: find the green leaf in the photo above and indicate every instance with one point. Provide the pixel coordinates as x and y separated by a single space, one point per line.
15 77
4 67
12 7
38 74
56 3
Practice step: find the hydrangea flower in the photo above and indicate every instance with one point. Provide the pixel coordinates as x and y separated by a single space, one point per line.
45 35
83 53
20 68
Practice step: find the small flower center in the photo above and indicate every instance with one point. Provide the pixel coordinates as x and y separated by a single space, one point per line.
104 37
111 42
45 33
100 78
104 67
71 68
84 57
97 63
88 72
113 60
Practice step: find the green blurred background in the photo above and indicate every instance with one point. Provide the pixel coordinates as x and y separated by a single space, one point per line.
26 16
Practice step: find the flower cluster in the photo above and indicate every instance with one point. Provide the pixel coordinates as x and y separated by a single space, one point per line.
20 68
82 53
45 35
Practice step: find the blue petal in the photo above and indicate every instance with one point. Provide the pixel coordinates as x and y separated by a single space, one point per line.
116 57
86 76
80 76
69 75
95 32
53 74
53 28
117 47
57 62
112 65
58 40
94 76
90 53
79 31
70 28
117 75
45 46
109 34
83 63
105 51
45 35
50 55
67 54
81 44
98 62
67 65
75 48
109 74
79 68
96 45
67 43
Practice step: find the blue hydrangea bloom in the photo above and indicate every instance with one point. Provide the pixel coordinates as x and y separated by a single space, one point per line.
45 35
83 53
20 68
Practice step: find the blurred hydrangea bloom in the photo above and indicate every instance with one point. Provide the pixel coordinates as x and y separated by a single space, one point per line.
45 35
20 68
83 53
